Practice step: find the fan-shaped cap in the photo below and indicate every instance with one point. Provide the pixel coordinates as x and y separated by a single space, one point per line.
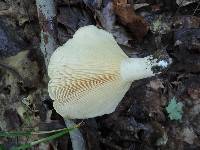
85 79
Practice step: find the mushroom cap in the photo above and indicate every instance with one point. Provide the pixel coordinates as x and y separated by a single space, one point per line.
85 79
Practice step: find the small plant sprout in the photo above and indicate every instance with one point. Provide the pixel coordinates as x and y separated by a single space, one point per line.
90 74
174 109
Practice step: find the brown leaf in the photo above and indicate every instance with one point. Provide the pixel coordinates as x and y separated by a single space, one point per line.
136 24
107 19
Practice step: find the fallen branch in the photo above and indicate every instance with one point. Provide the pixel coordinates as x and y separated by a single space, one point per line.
47 18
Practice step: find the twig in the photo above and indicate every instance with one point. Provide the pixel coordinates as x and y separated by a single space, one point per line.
197 8
47 18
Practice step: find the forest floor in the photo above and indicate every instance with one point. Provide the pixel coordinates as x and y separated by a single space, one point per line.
162 112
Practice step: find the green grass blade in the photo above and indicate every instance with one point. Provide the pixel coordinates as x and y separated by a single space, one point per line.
14 133
46 139
22 147
50 138
2 147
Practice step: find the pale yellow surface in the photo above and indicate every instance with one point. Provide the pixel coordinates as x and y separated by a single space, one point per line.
85 79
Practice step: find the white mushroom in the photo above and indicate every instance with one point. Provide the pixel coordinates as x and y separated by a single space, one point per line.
90 74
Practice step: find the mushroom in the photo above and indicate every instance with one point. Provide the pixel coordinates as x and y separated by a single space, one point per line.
90 74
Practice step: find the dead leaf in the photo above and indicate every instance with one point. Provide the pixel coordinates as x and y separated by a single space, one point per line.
93 3
188 135
126 13
185 2
186 22
22 11
138 6
69 20
26 68
107 18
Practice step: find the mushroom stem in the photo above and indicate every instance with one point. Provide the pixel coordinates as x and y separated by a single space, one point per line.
138 68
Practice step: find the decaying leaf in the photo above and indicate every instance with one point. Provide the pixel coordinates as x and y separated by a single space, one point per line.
185 2
25 67
136 24
107 18
69 20
20 10
11 41
188 135
141 5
